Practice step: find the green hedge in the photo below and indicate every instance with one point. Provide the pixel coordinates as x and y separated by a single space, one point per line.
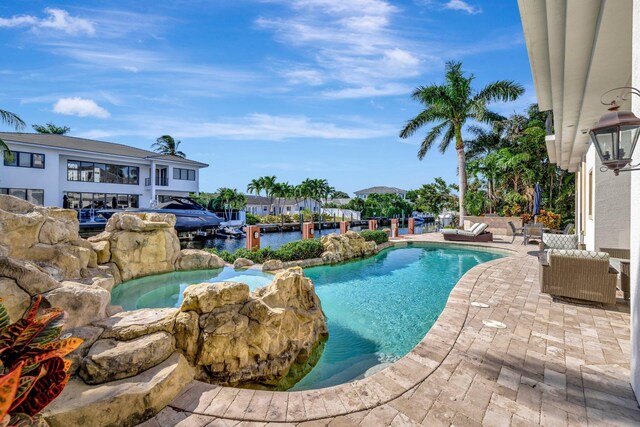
292 251
378 236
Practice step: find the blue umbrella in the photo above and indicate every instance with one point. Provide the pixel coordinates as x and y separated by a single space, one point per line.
537 199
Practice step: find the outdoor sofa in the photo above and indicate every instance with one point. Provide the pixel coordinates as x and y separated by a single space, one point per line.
578 274
476 233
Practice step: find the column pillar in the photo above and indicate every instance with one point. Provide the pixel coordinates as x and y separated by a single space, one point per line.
411 225
253 237
153 182
373 224
344 227
307 230
394 227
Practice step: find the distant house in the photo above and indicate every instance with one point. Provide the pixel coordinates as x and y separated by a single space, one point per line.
84 174
363 194
259 205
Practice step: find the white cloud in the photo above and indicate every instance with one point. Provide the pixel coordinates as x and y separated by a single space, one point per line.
462 6
80 107
57 19
368 91
253 127
348 42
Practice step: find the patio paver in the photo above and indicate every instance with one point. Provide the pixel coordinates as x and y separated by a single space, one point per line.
555 363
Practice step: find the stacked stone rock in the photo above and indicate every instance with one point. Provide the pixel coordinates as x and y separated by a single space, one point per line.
342 247
142 359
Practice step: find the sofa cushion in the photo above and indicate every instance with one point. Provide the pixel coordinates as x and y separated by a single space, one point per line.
474 226
560 241
480 229
575 253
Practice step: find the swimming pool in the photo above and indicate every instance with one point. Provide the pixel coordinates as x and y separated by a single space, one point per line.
377 309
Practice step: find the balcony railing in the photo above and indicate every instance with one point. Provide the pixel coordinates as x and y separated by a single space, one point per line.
160 182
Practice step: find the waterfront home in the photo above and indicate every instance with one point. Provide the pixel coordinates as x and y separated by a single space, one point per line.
259 205
584 56
363 194
64 171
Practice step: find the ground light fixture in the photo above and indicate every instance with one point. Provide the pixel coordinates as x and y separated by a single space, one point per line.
616 134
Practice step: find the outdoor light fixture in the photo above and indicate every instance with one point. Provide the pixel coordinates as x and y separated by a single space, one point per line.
616 134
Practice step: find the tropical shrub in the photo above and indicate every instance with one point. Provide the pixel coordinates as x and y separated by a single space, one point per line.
251 219
270 219
527 218
299 250
378 236
292 251
549 219
32 369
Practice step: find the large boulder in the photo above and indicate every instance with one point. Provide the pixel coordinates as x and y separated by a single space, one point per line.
61 226
14 298
342 247
206 297
126 402
63 261
84 304
260 338
128 325
31 278
195 259
138 244
242 263
272 265
20 224
103 251
110 359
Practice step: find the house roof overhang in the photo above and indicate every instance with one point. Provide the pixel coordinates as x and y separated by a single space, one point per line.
578 50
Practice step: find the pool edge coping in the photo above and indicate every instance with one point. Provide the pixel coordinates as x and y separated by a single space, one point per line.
388 383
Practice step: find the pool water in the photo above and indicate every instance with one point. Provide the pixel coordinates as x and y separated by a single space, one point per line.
381 307
165 290
377 308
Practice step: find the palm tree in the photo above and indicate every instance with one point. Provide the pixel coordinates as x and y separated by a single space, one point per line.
450 105
167 145
13 120
255 186
50 128
269 185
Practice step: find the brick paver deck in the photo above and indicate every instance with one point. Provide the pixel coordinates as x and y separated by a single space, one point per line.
554 363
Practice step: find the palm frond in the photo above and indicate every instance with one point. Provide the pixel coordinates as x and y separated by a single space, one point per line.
12 119
428 140
501 90
449 135
426 116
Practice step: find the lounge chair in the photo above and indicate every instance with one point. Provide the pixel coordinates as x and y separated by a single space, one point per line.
580 275
532 232
476 233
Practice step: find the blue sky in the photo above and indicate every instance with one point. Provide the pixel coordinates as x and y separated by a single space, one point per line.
292 88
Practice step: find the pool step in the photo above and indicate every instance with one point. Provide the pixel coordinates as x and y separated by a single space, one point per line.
125 402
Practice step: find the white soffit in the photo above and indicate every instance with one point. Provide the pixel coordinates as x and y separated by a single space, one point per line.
588 52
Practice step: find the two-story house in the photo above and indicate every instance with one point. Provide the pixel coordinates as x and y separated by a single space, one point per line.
64 171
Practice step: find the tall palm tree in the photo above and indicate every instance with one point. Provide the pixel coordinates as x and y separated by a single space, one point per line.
10 119
450 105
269 185
255 186
167 145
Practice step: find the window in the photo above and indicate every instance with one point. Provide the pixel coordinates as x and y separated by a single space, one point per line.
34 196
23 159
184 174
101 172
101 200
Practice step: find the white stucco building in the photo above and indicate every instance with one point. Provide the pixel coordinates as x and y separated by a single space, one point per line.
579 51
58 170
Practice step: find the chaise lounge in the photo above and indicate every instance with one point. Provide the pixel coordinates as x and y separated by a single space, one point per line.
476 233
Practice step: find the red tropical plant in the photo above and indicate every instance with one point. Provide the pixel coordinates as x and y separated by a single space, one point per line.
32 369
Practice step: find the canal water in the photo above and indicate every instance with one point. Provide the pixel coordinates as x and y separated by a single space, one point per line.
274 240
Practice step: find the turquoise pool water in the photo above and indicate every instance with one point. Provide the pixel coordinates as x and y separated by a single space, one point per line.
377 308
165 290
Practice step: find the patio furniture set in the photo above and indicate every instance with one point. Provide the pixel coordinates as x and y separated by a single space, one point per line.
566 269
